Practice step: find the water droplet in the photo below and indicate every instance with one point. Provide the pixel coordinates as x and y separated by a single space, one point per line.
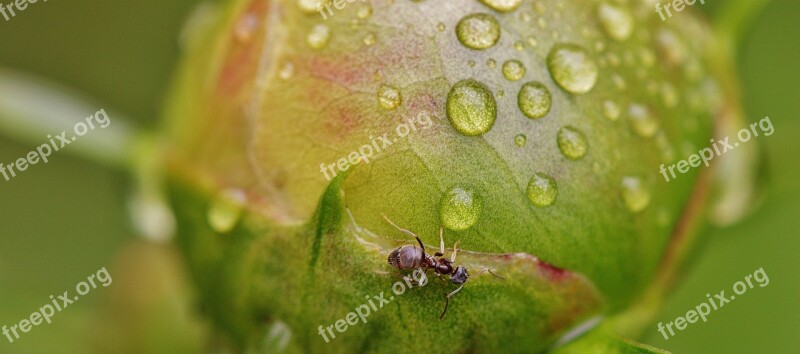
611 110
389 97
513 70
471 108
478 31
572 68
364 12
502 5
369 39
519 46
671 47
642 121
491 63
669 95
616 21
572 143
277 339
319 36
310 6
224 213
634 194
441 27
532 42
534 100
520 140
287 71
460 209
246 27
471 63
542 190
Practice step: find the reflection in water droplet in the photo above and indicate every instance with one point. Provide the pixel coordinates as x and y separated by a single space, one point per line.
513 70
542 190
225 211
478 31
460 209
616 21
572 143
634 194
534 100
319 36
572 68
471 108
389 97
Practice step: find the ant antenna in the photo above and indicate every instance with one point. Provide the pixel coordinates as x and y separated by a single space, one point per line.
491 272
441 242
407 232
447 300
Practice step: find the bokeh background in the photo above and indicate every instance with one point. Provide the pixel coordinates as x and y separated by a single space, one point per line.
62 221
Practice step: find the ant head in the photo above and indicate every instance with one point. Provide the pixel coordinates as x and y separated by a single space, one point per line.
460 276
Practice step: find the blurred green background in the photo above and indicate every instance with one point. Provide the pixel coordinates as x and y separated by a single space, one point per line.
63 222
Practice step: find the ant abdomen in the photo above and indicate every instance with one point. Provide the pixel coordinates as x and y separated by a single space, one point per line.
407 257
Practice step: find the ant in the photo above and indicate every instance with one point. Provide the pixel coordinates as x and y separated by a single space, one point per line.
411 257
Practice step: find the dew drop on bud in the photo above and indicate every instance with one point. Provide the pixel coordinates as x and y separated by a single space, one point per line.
225 211
572 143
389 97
471 108
542 190
478 31
460 209
634 194
572 68
534 100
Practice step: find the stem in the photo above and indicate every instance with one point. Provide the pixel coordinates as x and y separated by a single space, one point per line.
32 108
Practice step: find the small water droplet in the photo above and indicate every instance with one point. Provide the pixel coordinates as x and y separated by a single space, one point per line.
471 63
287 71
542 190
669 95
513 70
369 39
364 12
642 121
460 209
572 143
520 140
519 46
478 31
471 108
572 68
502 5
441 27
634 194
319 36
246 27
491 63
225 211
389 97
311 6
611 110
616 21
534 100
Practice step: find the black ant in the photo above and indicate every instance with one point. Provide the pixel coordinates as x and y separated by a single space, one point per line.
411 257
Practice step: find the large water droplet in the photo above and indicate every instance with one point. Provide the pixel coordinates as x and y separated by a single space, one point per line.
572 68
513 70
642 121
572 143
389 97
534 100
471 108
634 194
478 31
460 209
616 21
502 5
225 211
542 190
319 36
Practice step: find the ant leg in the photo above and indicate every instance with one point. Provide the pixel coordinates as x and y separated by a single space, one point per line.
407 232
447 300
455 251
491 272
441 242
